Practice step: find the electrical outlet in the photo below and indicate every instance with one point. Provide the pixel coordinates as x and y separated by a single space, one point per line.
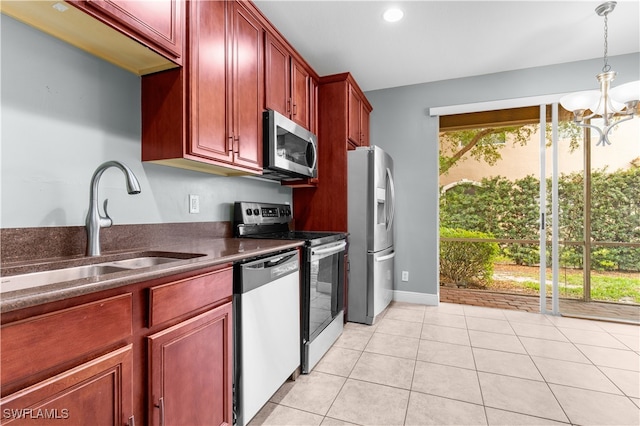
405 275
194 203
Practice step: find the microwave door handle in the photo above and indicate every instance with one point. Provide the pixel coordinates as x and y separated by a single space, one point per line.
315 154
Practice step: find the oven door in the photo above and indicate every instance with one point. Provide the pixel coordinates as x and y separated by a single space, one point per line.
323 290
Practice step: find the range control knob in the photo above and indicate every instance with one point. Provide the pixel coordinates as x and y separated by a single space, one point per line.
249 212
256 212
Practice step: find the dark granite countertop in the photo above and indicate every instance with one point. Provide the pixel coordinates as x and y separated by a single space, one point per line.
214 251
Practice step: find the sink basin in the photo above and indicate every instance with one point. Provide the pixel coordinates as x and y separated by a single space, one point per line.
36 279
62 274
143 262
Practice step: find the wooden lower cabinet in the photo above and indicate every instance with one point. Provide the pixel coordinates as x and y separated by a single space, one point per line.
190 370
157 352
98 392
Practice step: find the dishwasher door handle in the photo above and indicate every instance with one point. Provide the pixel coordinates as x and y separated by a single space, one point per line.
257 273
269 262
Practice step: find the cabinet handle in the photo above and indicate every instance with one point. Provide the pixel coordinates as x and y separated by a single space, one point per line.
295 109
231 143
132 421
289 105
160 405
236 145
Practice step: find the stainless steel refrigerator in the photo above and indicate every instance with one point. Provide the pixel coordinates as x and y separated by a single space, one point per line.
371 196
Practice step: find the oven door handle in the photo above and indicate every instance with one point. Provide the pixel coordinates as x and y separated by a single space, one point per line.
329 251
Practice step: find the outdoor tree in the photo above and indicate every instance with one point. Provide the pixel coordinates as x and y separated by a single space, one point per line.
485 144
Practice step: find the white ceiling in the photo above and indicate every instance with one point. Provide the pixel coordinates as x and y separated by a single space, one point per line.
439 40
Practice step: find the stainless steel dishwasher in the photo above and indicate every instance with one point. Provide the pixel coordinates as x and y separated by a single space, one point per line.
266 304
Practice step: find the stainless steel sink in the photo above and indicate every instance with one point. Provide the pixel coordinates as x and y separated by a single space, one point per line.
36 279
72 273
142 262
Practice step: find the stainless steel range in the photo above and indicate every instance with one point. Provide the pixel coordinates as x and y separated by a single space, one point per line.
321 278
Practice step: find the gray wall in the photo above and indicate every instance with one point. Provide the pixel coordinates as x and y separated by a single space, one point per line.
400 124
64 112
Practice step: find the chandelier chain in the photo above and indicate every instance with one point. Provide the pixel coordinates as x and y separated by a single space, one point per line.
606 67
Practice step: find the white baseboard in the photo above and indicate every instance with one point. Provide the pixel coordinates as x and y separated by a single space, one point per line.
413 297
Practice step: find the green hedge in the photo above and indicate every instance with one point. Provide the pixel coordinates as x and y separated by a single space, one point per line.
509 210
466 262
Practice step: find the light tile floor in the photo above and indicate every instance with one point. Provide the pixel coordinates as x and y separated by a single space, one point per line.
468 365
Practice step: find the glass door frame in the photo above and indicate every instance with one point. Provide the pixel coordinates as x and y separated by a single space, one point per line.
542 102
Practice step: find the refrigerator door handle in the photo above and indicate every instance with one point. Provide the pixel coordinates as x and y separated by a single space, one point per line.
387 257
392 190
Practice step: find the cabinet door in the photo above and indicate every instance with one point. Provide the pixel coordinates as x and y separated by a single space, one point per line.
313 106
300 94
354 117
207 105
158 21
364 126
277 77
190 371
98 392
248 86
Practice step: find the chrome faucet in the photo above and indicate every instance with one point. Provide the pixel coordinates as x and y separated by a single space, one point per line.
95 221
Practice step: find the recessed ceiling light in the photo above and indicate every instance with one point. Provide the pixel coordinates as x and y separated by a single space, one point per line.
393 14
60 7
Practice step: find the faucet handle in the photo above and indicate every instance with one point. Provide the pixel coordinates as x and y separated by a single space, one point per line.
105 222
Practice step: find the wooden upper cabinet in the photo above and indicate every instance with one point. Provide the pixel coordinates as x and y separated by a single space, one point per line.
158 24
287 83
277 77
247 79
358 122
207 116
343 124
300 96
207 82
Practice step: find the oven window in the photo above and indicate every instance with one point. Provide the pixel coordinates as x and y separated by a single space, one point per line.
326 281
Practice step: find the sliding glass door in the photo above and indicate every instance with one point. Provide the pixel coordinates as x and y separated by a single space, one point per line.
599 224
558 216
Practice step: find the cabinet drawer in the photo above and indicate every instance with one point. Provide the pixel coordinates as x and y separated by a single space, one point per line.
178 298
58 337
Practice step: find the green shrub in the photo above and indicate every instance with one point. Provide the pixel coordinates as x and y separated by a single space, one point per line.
508 209
464 262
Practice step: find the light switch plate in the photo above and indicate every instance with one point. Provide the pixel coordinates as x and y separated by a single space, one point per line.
194 203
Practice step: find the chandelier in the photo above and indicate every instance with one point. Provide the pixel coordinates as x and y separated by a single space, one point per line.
612 105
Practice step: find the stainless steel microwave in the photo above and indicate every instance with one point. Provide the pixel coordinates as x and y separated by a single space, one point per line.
290 150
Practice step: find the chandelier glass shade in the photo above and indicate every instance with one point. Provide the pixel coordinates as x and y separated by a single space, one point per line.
613 105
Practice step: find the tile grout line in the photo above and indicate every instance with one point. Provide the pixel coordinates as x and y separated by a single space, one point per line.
475 366
413 373
564 411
